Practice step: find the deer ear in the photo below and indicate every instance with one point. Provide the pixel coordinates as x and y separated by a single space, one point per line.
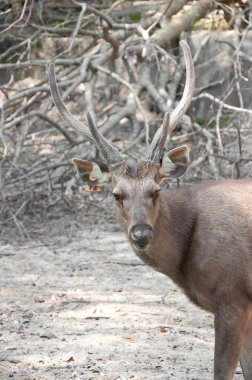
92 173
174 163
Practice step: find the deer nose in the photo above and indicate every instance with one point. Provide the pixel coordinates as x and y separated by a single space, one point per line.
141 235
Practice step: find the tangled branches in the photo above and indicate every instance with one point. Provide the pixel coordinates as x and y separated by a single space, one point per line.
121 63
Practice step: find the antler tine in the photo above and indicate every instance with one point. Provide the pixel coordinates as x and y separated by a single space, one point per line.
188 90
65 114
154 153
111 154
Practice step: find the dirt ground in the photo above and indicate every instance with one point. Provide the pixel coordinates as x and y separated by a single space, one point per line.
88 308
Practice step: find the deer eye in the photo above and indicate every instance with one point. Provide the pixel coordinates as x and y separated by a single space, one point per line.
118 197
155 194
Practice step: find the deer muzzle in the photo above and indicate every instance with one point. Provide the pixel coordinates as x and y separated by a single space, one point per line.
141 235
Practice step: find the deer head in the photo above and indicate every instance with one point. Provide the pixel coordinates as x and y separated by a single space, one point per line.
136 188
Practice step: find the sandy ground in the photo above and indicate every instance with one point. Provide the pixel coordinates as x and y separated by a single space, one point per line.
89 309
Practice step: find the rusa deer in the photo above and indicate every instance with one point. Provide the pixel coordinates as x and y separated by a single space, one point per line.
201 236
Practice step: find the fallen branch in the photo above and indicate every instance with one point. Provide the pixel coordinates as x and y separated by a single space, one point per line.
222 104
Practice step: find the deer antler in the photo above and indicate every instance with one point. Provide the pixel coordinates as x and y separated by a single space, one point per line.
155 150
64 113
154 153
186 99
110 153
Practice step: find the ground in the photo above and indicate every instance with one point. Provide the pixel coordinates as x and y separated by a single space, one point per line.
85 307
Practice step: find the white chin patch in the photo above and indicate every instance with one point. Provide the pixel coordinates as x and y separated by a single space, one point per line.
140 248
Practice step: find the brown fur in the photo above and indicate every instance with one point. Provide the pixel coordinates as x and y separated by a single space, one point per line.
203 242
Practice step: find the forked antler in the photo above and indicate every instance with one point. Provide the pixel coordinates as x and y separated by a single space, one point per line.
155 150
111 154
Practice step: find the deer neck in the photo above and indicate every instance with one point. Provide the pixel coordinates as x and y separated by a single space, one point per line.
169 251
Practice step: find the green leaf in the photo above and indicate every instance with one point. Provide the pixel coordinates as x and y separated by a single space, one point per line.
195 13
224 119
200 120
135 17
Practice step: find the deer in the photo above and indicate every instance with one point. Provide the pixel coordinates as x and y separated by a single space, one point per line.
200 236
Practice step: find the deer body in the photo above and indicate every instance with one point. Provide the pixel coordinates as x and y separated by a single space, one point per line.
201 236
202 240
